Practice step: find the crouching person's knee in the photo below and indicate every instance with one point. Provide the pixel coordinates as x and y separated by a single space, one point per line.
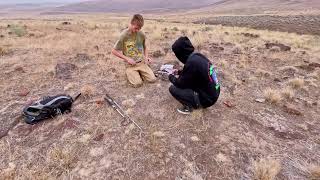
172 90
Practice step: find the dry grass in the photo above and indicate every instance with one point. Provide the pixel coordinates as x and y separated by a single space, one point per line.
288 93
170 136
63 159
297 83
315 172
199 41
266 169
272 96
3 51
88 91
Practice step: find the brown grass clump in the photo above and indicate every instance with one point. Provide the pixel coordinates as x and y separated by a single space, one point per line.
266 169
87 91
272 95
287 93
315 172
9 173
199 41
62 160
3 51
297 83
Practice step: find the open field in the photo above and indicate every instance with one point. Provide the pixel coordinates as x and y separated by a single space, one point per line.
301 24
264 126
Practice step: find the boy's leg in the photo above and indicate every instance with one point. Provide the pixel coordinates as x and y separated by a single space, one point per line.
146 72
186 97
133 76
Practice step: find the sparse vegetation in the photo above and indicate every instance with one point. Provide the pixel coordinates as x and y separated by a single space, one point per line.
18 30
266 169
315 172
175 29
87 91
272 96
172 146
297 83
3 51
288 93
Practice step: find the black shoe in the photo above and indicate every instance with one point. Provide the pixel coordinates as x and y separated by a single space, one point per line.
185 110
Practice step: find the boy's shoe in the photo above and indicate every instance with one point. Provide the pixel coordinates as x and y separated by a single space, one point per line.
185 110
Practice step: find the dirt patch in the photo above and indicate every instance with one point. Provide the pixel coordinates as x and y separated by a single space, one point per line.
64 70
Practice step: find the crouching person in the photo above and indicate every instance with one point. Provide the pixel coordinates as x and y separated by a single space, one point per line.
197 85
131 47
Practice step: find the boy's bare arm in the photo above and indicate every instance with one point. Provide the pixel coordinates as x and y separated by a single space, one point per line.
125 58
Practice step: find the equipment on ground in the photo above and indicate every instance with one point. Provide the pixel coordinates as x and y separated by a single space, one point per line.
126 119
48 107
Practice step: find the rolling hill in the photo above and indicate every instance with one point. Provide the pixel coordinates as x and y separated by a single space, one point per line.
212 5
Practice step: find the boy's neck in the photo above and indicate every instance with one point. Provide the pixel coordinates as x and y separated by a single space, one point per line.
131 32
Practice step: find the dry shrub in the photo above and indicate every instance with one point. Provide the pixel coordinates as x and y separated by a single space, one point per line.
199 41
287 93
18 30
87 91
62 160
3 51
175 29
297 83
266 169
272 95
314 172
9 173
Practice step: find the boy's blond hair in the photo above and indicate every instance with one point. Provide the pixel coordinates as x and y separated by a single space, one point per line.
138 20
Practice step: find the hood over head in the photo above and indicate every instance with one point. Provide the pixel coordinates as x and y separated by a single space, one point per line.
182 48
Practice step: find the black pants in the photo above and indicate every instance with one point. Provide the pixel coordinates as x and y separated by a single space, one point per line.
187 97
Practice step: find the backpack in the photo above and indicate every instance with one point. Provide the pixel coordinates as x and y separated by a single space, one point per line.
48 107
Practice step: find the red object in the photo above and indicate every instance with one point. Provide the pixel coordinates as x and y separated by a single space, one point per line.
23 92
228 104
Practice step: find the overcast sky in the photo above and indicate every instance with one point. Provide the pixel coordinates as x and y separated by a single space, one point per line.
37 1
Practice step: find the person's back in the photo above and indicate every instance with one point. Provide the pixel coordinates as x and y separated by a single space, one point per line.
204 83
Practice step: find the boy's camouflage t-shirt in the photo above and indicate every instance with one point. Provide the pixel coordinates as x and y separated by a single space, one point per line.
131 44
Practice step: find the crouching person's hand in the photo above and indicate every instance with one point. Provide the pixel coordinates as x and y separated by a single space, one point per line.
172 78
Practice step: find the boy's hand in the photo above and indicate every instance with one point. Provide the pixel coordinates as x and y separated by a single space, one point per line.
131 61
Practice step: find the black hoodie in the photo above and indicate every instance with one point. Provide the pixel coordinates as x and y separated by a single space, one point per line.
196 72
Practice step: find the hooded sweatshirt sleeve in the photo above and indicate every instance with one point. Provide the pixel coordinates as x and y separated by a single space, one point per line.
186 78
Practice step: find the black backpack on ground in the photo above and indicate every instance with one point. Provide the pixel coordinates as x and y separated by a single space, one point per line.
48 107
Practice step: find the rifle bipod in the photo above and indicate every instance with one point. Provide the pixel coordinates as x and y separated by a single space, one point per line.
126 119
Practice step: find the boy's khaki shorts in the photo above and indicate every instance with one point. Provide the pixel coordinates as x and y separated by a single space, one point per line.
139 72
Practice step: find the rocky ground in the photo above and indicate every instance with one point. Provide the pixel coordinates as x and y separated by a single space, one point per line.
265 124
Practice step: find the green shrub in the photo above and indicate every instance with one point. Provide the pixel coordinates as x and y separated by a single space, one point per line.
18 30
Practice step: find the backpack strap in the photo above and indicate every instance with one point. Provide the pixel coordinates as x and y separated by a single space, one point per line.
40 106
